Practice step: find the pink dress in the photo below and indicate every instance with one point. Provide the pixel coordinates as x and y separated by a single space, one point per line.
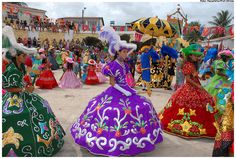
101 77
70 80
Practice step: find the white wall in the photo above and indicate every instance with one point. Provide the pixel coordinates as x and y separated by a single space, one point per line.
227 43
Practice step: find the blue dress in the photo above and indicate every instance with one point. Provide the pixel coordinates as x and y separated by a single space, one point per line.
145 62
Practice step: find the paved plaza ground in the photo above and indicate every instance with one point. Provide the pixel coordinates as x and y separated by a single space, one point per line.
68 104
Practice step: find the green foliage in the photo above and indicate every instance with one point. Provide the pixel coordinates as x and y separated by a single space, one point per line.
194 35
222 19
93 41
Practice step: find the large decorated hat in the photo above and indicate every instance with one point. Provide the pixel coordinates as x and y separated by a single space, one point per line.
91 62
51 48
11 46
70 60
41 50
166 50
193 49
43 56
211 54
226 53
144 48
115 43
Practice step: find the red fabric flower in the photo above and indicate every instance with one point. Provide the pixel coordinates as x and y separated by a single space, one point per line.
177 127
194 129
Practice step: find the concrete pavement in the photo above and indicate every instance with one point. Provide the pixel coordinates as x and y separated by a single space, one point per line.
68 104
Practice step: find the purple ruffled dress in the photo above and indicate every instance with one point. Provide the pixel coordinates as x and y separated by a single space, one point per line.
114 124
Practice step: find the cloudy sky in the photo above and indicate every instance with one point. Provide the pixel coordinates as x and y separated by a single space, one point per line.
122 12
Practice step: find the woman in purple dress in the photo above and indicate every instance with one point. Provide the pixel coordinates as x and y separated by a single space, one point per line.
118 121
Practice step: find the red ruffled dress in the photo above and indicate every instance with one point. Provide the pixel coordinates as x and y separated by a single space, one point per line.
190 111
46 79
28 61
92 77
4 65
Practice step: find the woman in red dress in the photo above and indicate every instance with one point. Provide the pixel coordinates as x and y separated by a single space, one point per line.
4 65
46 78
190 111
92 78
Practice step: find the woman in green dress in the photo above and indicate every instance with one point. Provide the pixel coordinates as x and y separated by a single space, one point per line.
29 127
58 57
220 80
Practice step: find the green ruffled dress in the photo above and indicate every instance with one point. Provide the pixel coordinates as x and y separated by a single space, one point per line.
219 87
29 127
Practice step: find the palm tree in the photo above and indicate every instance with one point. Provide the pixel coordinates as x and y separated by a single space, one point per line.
222 19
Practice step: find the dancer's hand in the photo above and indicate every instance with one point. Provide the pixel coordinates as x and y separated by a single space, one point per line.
30 89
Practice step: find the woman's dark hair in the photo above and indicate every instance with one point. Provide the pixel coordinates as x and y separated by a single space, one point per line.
224 58
76 52
44 60
115 57
69 66
196 63
22 66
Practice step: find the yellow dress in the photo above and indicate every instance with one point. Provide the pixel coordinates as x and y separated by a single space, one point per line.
225 131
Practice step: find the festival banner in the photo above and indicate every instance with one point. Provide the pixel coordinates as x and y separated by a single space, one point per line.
138 36
114 28
94 28
231 30
185 30
85 27
192 28
98 28
219 30
122 28
205 32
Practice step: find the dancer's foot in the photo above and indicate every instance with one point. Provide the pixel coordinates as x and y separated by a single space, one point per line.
149 92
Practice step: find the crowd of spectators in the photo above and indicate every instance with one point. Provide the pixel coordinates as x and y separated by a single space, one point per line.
39 25
46 43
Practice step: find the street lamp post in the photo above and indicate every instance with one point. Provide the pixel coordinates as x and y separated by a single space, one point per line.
83 17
